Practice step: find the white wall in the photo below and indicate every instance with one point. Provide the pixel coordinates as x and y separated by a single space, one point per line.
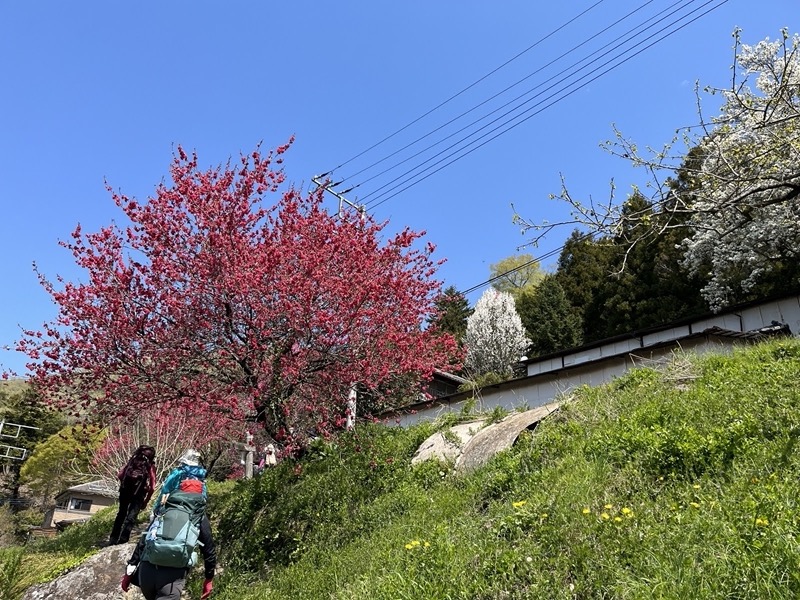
597 365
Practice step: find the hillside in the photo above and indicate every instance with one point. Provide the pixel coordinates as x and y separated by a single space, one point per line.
676 483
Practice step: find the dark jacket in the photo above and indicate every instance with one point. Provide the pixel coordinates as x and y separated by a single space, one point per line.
207 549
146 491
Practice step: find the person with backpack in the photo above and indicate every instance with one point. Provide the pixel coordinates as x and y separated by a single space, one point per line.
167 551
189 468
137 481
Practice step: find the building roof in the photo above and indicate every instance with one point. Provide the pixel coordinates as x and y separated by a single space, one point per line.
99 487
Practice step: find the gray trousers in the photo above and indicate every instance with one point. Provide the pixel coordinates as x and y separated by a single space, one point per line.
161 583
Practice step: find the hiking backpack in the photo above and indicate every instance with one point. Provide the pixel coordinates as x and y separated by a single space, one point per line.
174 533
135 478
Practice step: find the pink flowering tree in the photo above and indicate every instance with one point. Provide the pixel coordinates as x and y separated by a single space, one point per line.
214 300
169 432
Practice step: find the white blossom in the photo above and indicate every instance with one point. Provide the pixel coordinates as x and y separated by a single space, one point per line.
495 337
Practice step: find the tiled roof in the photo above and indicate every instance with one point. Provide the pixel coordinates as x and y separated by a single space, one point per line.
100 487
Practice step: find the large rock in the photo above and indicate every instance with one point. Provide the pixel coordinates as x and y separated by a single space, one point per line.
447 446
500 436
470 445
96 578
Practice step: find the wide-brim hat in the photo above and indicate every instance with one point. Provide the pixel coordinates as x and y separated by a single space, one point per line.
190 458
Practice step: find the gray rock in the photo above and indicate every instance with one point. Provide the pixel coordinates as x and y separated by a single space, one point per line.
96 578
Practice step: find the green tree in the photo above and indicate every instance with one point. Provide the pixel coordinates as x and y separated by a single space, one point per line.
516 274
552 323
451 311
20 405
583 267
647 285
61 460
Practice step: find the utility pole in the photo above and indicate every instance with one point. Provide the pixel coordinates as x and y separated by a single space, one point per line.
326 185
13 430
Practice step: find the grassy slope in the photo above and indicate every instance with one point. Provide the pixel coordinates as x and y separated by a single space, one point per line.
673 484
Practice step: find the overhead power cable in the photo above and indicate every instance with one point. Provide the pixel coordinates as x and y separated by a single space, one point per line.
474 108
410 178
470 86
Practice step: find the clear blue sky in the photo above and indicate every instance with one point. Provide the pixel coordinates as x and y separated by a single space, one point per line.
102 91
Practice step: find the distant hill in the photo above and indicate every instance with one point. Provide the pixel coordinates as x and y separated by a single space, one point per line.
12 386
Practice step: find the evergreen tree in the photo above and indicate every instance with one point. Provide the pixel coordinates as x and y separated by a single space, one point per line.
451 311
22 406
551 321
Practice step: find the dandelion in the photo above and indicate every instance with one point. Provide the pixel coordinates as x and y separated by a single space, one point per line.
543 516
762 522
412 544
608 506
586 511
696 486
626 511
605 516
427 544
617 519
519 503
694 505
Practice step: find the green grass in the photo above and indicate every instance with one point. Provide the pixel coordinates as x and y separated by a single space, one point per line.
679 483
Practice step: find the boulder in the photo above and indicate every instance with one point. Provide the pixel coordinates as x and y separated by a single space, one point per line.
96 578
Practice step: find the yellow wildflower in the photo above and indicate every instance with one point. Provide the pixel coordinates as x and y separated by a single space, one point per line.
617 519
605 516
608 507
586 511
694 504
519 503
626 511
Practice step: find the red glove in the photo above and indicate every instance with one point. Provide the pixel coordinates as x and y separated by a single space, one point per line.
208 585
125 583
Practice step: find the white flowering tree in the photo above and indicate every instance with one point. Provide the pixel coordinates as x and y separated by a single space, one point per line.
738 188
495 337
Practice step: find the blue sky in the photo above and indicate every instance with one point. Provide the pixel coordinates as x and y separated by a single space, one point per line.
103 91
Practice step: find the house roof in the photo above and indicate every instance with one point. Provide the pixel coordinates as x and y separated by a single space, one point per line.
99 487
439 374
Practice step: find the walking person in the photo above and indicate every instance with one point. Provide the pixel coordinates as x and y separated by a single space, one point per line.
137 480
189 468
168 550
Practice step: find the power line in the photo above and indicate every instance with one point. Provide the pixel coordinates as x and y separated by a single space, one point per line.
553 99
470 86
463 114
664 32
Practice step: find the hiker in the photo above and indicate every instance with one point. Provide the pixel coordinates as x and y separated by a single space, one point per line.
167 550
156 566
268 458
188 468
137 480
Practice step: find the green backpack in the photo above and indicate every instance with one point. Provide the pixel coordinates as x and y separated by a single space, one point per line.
171 538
